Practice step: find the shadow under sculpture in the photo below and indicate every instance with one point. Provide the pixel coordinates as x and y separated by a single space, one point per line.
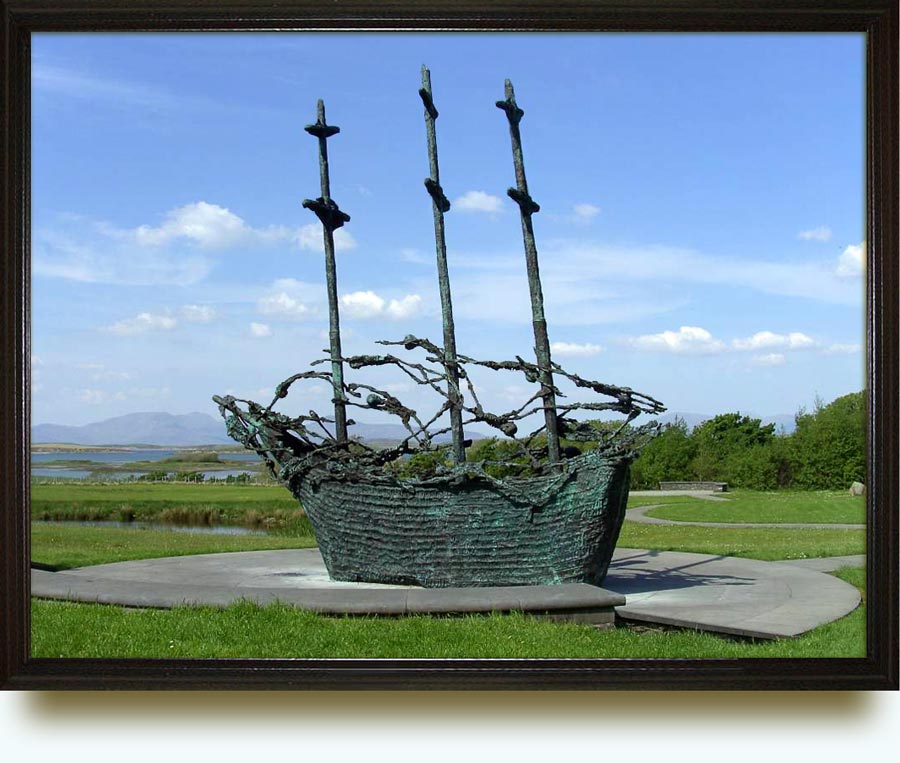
549 513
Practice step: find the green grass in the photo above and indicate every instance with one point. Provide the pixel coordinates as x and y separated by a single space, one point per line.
247 505
767 544
246 630
823 507
648 500
65 629
65 547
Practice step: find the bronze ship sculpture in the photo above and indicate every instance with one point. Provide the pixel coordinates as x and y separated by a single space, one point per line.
549 513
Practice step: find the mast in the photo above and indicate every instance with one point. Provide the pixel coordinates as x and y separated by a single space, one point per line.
440 205
527 207
331 217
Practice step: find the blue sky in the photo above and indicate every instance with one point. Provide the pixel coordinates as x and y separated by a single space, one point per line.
700 233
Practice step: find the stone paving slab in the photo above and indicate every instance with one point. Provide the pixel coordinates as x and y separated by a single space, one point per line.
725 594
829 563
743 597
298 576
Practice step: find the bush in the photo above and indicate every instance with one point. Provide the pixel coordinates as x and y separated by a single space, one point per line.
666 457
829 445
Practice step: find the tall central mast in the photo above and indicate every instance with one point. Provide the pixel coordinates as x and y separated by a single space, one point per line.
440 205
527 207
331 218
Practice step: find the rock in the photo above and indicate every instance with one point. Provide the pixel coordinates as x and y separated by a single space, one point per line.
857 488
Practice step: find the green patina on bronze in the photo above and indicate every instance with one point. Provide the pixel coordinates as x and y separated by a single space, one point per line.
440 204
331 217
556 515
527 207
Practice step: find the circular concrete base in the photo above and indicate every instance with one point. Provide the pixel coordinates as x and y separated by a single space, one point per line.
726 594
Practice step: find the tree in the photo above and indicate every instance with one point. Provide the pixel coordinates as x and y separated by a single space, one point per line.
829 445
736 449
666 457
497 452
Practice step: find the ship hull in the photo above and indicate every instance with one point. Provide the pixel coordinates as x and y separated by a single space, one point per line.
516 531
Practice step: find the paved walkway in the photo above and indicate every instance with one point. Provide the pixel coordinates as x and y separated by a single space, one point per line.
829 563
725 594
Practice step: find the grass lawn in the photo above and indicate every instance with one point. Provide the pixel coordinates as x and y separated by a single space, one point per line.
246 630
269 506
274 508
821 507
64 629
66 547
766 544
649 500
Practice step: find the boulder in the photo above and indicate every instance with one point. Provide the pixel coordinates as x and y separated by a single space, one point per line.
857 488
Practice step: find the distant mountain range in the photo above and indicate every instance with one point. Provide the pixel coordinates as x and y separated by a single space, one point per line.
202 429
180 430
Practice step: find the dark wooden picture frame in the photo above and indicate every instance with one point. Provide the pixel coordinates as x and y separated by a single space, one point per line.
878 19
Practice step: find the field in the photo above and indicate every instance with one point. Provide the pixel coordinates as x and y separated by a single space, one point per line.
269 506
246 630
821 507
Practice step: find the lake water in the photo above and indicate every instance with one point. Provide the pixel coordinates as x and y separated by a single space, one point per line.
198 530
127 456
62 472
122 457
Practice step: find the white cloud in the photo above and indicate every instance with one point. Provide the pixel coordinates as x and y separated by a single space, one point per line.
842 349
142 323
479 201
368 304
767 339
99 372
198 313
587 265
85 257
144 392
416 257
572 349
87 251
260 329
769 359
284 305
309 237
210 227
688 340
851 263
516 393
585 212
588 283
822 233
92 396
395 388
404 308
362 304
58 81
